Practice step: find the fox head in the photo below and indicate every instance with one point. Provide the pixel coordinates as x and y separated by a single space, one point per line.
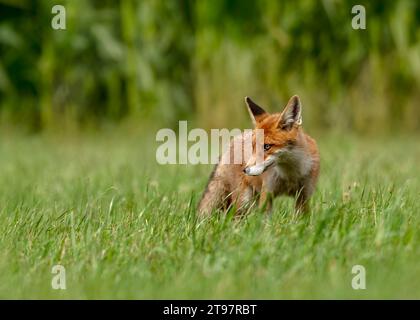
281 133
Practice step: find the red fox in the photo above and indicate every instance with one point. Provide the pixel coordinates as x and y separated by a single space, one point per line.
290 164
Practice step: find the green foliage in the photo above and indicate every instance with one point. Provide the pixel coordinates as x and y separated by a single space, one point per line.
169 60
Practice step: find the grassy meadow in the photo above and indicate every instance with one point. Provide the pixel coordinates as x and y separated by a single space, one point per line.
80 185
125 227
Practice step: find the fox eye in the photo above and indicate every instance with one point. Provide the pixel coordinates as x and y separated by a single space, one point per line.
267 146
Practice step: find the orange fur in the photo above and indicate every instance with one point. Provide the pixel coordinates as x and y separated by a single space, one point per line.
291 165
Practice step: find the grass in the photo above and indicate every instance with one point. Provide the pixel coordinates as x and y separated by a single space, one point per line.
125 227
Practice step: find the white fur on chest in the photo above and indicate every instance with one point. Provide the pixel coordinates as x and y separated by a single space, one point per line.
287 175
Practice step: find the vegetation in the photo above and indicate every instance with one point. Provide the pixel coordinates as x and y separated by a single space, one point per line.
125 227
168 60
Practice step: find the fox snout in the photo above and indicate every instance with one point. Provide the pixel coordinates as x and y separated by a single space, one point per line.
253 167
253 171
259 168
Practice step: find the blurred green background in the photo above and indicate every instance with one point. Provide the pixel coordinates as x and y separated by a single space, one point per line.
163 61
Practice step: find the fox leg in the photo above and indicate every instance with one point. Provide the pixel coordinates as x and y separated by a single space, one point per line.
302 201
212 199
266 200
301 205
214 196
243 198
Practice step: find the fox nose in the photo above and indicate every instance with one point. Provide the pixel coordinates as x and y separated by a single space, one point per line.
245 170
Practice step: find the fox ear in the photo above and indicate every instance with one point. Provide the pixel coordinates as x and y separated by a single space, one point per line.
291 114
255 111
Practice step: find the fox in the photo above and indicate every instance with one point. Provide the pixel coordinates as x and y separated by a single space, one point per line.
289 166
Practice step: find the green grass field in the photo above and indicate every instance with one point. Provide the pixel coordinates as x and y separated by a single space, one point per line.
125 227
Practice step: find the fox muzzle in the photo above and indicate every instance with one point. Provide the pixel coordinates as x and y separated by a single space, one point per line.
258 169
